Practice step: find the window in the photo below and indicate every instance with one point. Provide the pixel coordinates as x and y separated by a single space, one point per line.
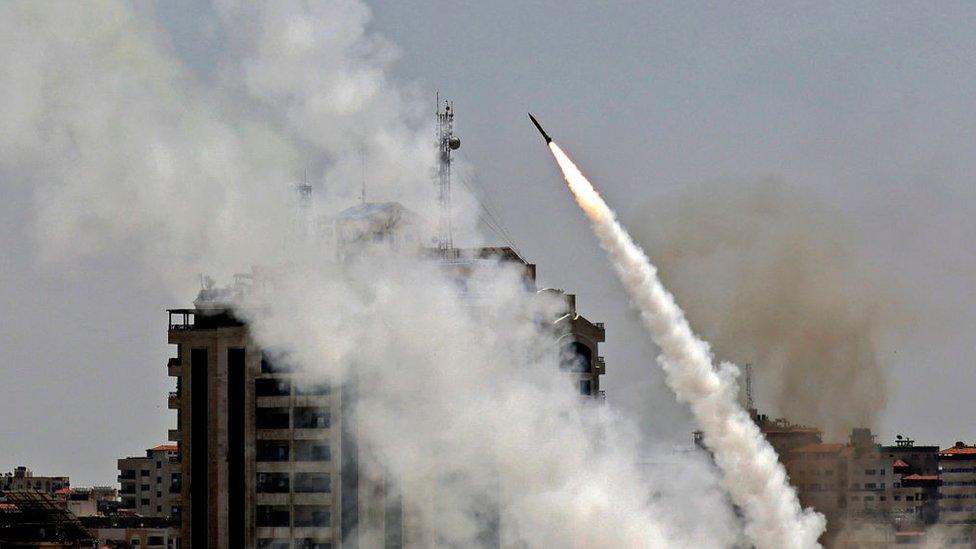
275 363
271 418
265 543
897 498
309 543
585 387
272 387
882 498
312 450
272 450
159 464
313 389
159 494
870 471
313 482
144 473
273 516
156 540
575 357
273 483
159 509
144 502
144 487
312 515
869 486
311 418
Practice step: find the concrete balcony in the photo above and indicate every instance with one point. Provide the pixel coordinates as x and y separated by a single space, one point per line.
322 433
318 498
313 532
600 366
313 401
262 498
273 401
174 400
273 434
273 532
174 367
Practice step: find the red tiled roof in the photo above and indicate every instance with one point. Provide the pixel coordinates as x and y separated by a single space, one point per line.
900 463
958 451
165 448
8 507
920 477
819 448
63 492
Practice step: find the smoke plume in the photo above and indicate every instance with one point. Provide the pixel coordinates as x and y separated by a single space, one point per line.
773 278
462 407
753 475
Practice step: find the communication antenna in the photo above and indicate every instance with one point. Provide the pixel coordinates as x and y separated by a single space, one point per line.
446 142
304 212
362 160
750 405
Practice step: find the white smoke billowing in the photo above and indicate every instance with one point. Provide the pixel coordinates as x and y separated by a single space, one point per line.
753 475
464 406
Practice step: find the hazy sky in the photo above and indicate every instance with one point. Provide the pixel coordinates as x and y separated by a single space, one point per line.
868 107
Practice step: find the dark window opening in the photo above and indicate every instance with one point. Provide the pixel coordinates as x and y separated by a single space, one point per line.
576 357
272 387
311 418
272 450
313 483
586 387
273 516
273 483
312 515
271 418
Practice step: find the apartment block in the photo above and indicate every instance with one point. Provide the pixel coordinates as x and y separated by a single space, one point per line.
150 484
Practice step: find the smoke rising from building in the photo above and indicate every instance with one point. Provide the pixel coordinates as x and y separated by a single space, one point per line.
132 155
772 278
753 476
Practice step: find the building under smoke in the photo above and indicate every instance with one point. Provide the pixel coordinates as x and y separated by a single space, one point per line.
269 455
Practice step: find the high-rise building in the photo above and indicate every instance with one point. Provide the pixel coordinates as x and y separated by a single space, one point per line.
269 456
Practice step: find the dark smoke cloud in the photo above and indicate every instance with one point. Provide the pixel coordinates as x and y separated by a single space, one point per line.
774 278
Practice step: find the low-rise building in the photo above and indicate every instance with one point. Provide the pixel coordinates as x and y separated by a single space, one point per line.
957 493
22 478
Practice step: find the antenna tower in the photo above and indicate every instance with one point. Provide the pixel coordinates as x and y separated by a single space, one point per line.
446 142
303 217
750 405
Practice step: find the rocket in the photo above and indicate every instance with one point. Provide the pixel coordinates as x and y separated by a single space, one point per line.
542 131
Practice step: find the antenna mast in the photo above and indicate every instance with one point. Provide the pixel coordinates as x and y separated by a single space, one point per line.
362 160
750 405
446 142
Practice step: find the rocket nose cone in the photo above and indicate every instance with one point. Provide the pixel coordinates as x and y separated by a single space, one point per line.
539 127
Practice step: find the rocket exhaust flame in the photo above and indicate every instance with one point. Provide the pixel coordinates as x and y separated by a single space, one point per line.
753 476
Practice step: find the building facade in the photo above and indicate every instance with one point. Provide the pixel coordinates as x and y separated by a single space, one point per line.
22 478
957 494
150 484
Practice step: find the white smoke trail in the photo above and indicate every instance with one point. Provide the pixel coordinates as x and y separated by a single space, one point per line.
753 475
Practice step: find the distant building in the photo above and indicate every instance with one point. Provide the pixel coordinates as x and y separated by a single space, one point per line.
133 532
23 478
957 494
150 484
